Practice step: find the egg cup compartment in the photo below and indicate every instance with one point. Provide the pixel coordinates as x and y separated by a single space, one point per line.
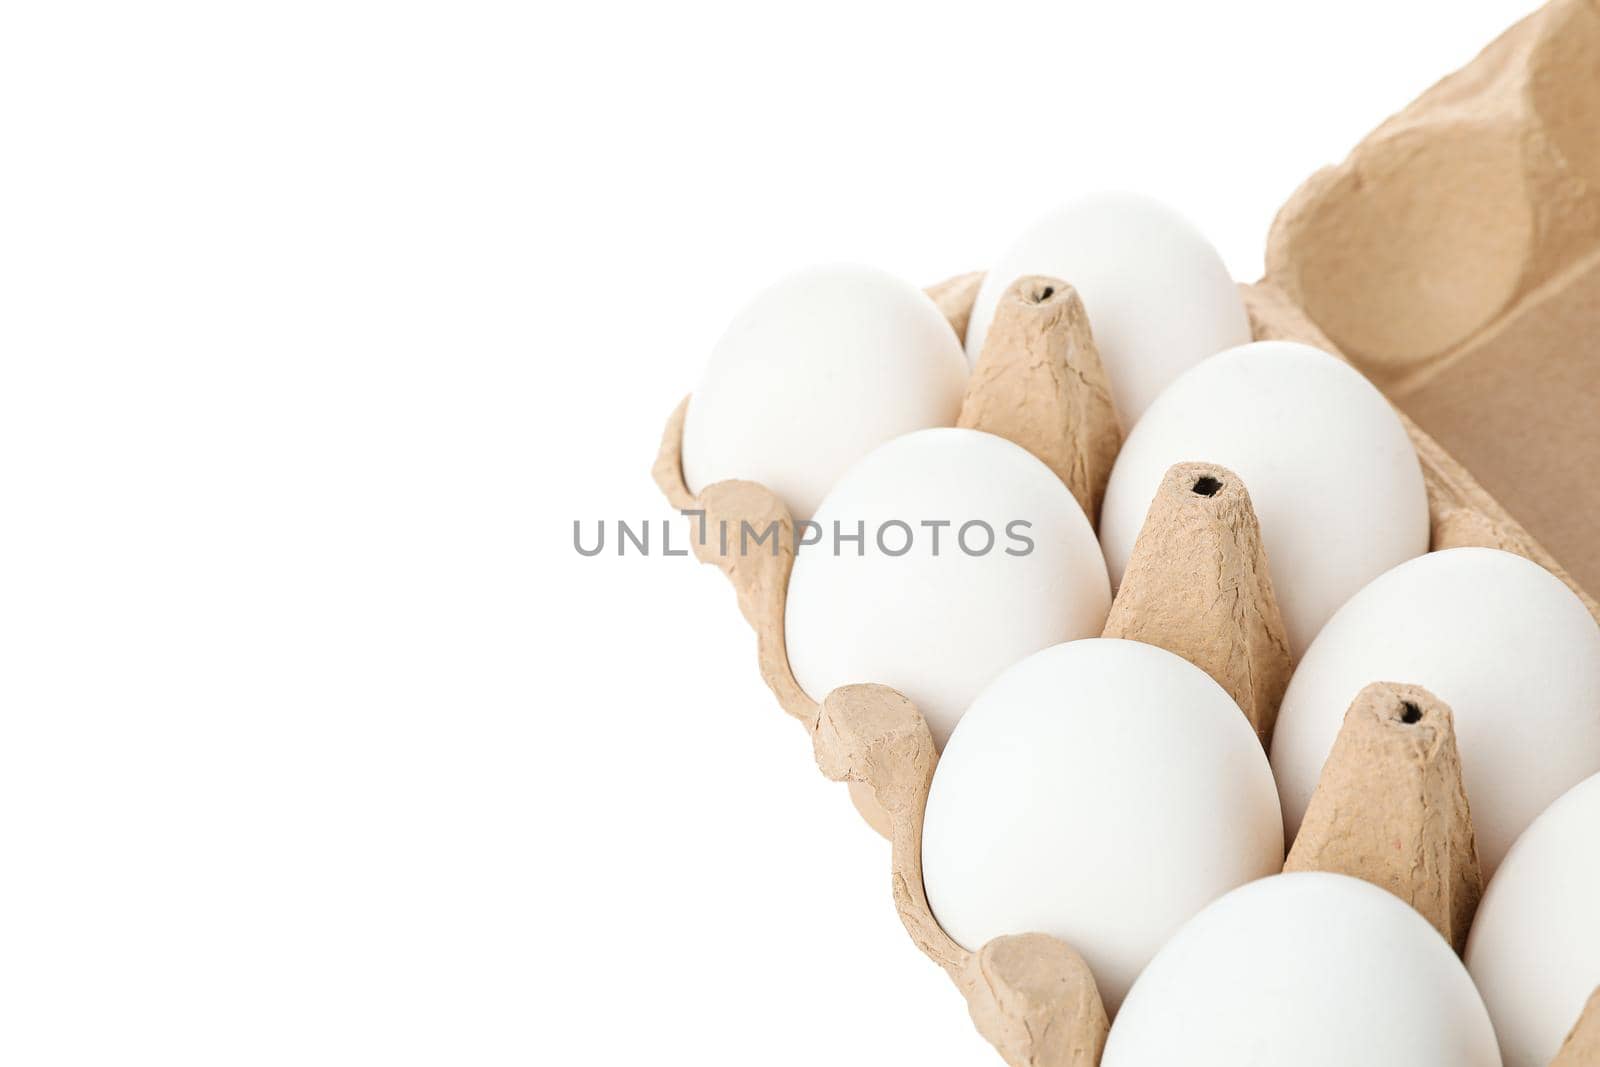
1453 258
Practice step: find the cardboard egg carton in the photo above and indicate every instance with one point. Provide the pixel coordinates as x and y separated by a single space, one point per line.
1454 258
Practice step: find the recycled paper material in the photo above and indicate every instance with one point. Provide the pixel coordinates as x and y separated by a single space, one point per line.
1197 585
1454 257
1582 1046
1039 383
1390 808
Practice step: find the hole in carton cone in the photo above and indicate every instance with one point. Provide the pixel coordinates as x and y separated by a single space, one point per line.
1206 485
1044 294
1410 713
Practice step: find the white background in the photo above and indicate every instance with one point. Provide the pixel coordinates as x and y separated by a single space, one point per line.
319 326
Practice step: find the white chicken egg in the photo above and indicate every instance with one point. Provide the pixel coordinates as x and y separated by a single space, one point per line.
1502 641
813 374
1304 970
1535 944
940 559
1103 792
1158 296
1335 482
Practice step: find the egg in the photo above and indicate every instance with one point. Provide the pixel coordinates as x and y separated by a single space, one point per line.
1335 482
1101 791
813 374
1535 945
1304 970
1158 296
1503 642
971 555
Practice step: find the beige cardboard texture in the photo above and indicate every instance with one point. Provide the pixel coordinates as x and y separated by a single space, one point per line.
760 577
955 297
1035 1001
1582 1046
1390 808
1039 382
1197 585
1454 257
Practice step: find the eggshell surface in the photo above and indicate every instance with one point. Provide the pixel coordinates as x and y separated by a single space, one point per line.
1535 944
1158 296
1330 470
936 607
1304 970
813 374
1101 791
1503 642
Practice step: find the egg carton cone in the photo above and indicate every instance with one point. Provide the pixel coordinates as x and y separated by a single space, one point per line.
1039 382
1197 585
1390 808
1397 217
